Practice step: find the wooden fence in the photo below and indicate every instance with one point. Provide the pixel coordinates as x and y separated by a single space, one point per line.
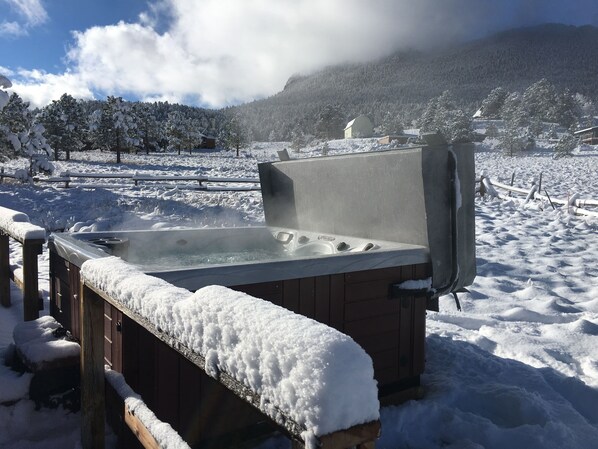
128 179
575 205
28 283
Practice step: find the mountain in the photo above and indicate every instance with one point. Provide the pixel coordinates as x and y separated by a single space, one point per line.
401 83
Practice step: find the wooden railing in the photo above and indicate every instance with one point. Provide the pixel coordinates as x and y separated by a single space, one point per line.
15 225
93 405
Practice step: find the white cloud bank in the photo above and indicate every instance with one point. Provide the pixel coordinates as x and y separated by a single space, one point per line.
220 52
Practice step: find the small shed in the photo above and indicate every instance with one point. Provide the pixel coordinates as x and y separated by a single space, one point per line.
359 127
207 142
588 135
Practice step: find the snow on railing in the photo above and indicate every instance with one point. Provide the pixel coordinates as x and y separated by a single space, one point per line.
575 205
138 415
16 225
310 379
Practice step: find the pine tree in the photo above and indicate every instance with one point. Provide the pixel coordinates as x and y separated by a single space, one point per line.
4 84
513 112
493 103
330 123
150 130
15 119
33 145
443 116
565 146
235 134
514 140
113 126
65 124
20 135
176 131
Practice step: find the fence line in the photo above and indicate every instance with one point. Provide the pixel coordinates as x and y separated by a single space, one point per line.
204 183
575 205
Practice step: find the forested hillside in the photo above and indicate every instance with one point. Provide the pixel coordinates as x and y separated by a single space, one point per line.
402 83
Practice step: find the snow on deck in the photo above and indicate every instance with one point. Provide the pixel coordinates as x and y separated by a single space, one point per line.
312 373
38 344
17 225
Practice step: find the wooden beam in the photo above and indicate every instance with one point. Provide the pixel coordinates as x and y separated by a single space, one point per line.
4 271
364 434
31 300
139 430
93 401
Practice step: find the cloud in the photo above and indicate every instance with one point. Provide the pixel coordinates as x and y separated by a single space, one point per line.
32 11
221 52
12 29
39 88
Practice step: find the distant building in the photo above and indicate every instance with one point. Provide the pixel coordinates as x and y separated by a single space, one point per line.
359 127
207 142
401 140
588 135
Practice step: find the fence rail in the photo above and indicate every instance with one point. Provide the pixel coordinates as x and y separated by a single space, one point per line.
16 226
129 179
204 183
574 204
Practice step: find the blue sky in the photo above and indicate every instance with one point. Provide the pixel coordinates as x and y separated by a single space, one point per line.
216 53
44 44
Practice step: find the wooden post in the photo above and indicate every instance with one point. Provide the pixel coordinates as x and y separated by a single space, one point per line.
4 271
93 402
31 299
482 187
512 181
1 175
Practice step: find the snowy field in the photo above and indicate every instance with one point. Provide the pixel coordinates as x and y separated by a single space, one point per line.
517 368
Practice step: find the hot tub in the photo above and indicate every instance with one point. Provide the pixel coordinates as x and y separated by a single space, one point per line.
195 258
342 235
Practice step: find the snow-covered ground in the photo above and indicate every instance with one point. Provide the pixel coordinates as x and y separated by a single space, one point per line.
517 368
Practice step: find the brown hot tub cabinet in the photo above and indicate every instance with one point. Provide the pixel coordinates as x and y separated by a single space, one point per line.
343 233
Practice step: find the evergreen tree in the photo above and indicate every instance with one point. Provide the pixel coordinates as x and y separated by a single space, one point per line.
330 123
514 140
513 112
443 116
19 134
586 111
566 109
235 134
565 146
15 119
65 125
493 103
33 145
390 124
176 131
4 84
150 130
113 127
